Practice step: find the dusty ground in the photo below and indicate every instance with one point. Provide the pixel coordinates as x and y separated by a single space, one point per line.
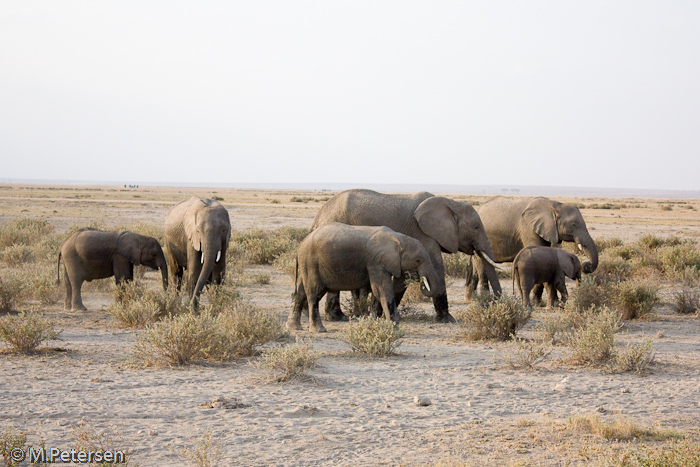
355 411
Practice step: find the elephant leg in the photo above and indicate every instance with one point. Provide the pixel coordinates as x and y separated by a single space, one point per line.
67 304
482 277
294 319
537 294
76 297
333 311
315 323
472 279
561 287
526 286
122 269
383 289
551 295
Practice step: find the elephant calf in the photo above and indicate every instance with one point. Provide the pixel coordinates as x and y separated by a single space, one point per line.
95 254
338 257
537 265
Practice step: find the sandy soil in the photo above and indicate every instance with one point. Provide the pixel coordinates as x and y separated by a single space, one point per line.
355 410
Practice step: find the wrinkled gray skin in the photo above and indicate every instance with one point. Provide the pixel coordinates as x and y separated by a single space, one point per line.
197 230
537 265
440 224
95 254
515 223
337 257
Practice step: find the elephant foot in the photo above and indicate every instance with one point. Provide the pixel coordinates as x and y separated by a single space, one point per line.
336 316
293 325
79 308
317 328
445 318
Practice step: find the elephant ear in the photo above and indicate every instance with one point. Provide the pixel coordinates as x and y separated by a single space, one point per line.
436 218
190 225
540 215
130 247
567 263
385 249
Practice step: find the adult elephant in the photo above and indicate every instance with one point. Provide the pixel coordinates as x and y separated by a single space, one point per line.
515 223
197 232
90 254
440 224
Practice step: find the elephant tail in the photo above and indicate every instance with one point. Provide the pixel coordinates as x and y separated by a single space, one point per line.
58 269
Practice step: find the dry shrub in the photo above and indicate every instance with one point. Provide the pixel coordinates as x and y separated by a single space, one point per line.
43 286
264 246
634 357
286 263
375 337
526 353
205 452
11 439
681 261
636 299
455 264
136 306
220 297
592 291
187 338
499 319
622 428
683 453
89 438
16 255
606 243
150 230
413 293
686 302
289 362
24 231
592 341
26 331
13 292
614 269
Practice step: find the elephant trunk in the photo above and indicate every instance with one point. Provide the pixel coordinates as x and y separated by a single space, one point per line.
208 260
428 281
588 246
490 271
163 266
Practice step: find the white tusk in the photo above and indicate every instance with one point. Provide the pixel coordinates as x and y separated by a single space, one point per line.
218 256
580 247
490 261
425 283
202 257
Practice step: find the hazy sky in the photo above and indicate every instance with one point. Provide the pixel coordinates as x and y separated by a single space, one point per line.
585 93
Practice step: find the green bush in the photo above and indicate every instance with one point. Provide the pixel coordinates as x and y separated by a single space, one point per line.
496 320
636 299
375 337
26 331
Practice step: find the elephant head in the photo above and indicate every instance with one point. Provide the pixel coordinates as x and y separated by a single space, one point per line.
398 254
558 222
208 229
143 250
456 226
570 264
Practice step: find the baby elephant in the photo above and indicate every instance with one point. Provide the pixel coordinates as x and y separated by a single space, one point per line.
536 265
95 254
339 257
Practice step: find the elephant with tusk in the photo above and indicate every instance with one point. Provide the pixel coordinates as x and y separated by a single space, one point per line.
515 223
338 257
197 233
439 223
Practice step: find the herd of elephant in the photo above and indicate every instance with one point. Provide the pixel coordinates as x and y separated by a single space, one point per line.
360 241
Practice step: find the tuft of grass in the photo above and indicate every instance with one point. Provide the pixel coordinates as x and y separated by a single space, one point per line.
375 337
686 302
592 340
496 320
264 246
136 306
13 292
205 452
26 331
89 438
683 453
636 299
608 242
289 362
526 353
187 338
621 428
635 357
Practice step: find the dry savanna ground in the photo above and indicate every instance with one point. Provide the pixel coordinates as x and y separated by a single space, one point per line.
576 387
